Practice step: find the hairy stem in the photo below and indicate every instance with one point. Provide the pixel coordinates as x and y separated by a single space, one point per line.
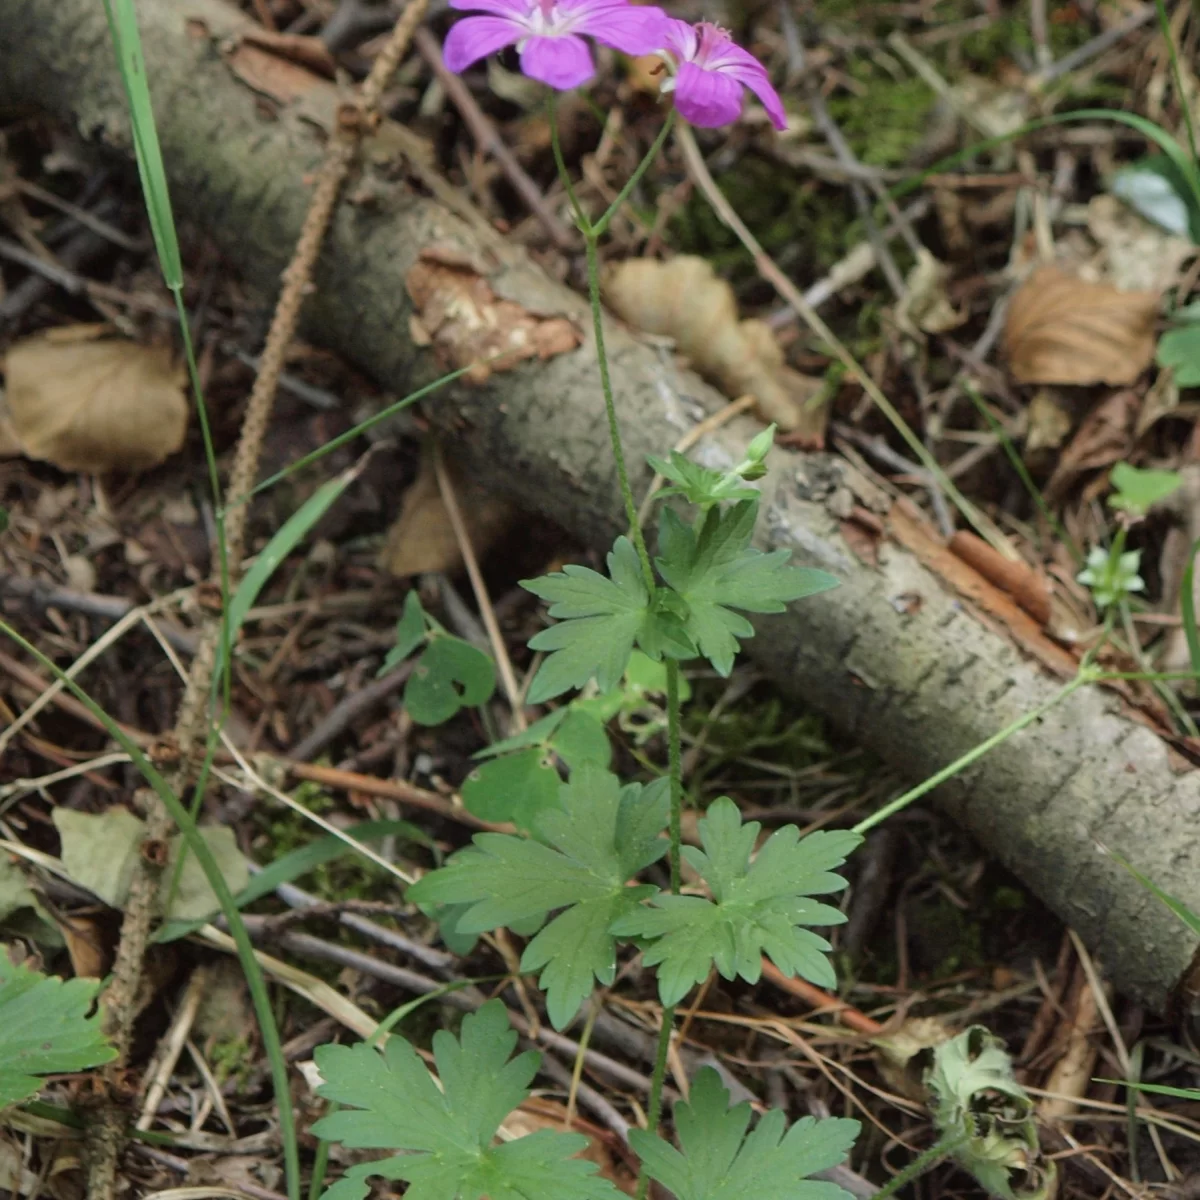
919 1165
654 1113
623 195
610 407
675 760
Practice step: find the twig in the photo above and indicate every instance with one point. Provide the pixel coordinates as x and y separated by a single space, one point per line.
489 141
853 266
1089 50
105 1132
347 710
48 693
495 637
171 1046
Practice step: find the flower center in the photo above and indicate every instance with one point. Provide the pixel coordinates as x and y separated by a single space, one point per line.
711 42
546 19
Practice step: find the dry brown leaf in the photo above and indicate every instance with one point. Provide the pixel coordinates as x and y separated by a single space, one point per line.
468 325
422 539
685 300
95 406
1063 330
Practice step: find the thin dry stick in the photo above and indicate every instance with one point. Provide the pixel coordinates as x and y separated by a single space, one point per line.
495 637
699 172
171 1046
490 142
114 634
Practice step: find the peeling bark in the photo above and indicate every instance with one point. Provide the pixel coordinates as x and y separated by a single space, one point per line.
918 669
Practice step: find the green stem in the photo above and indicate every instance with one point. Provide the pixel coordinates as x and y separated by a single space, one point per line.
675 759
919 1165
1164 24
654 1113
651 154
961 764
610 407
552 114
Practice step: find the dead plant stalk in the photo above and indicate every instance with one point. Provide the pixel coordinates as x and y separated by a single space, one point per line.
355 119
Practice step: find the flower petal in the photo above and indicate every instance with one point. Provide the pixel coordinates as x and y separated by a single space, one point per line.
706 98
632 29
474 38
680 39
518 10
757 80
560 62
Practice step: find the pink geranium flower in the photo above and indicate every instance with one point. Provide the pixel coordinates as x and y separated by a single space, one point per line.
710 72
548 35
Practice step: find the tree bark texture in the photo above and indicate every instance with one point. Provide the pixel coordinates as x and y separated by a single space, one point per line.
913 655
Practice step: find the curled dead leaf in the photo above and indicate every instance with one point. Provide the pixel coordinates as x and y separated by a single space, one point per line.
96 406
1063 330
685 300
468 325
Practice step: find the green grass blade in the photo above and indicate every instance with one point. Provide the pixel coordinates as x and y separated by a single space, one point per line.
255 981
123 26
1187 604
1160 137
286 539
1181 910
1159 1089
351 434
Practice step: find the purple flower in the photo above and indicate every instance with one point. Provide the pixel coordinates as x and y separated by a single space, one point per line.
547 33
711 70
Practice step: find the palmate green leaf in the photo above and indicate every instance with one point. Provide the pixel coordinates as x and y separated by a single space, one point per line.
717 1160
696 484
1179 349
715 570
599 621
520 780
515 787
445 1135
1137 490
757 907
600 837
45 1029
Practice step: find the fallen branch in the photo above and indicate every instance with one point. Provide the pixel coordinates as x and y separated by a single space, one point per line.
916 654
